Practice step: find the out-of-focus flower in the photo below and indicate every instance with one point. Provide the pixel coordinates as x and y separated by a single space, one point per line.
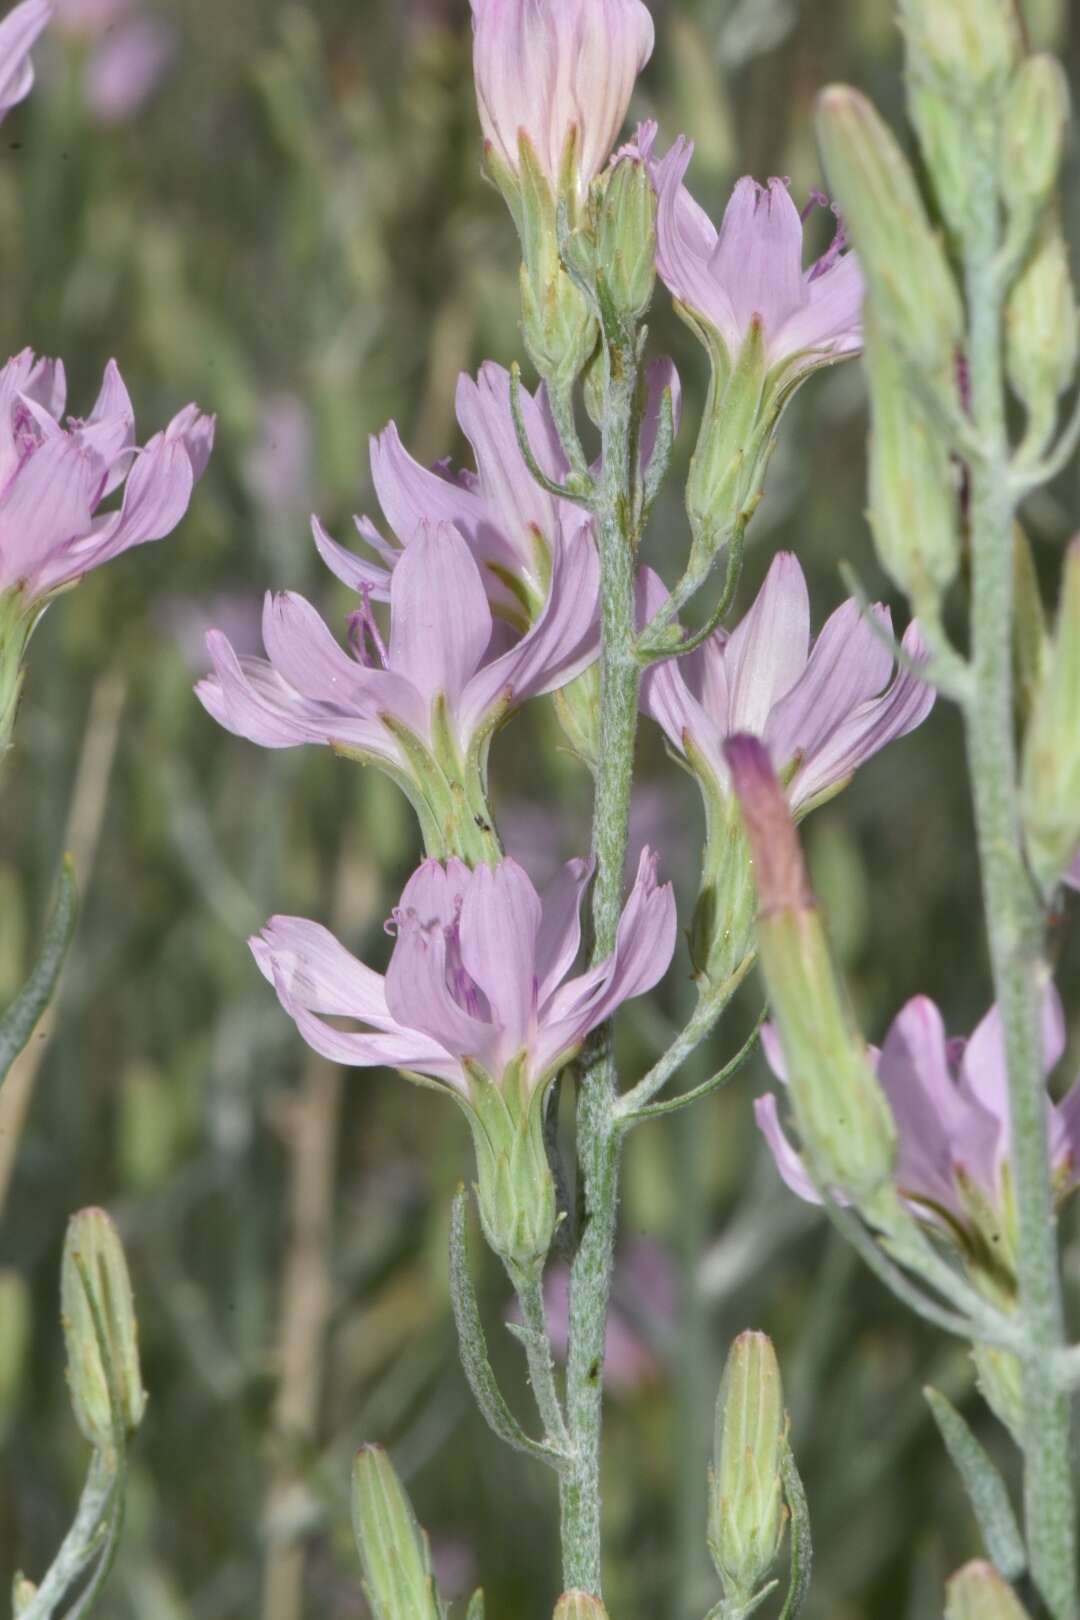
556 70
89 17
751 269
54 476
477 999
19 31
278 468
126 68
950 1102
187 619
643 1291
822 709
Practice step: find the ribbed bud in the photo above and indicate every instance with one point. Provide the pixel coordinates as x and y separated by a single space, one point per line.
977 1592
844 1121
910 285
557 324
913 502
515 1189
1042 331
98 1314
398 1581
727 470
746 1501
1036 118
626 238
579 1606
971 44
1051 761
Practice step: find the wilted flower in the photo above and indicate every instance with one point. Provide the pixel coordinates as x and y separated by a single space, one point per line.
424 702
53 477
950 1102
19 31
477 999
552 69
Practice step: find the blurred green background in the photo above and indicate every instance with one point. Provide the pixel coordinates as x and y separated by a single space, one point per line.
290 227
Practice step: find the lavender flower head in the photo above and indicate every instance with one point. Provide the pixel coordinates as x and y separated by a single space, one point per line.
19 32
950 1101
751 269
552 69
479 979
54 475
822 709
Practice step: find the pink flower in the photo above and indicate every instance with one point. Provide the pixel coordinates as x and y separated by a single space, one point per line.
53 477
546 68
19 31
822 710
442 645
478 979
126 67
950 1101
752 269
643 1298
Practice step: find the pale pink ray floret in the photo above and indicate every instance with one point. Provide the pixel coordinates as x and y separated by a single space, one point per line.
480 976
950 1100
19 32
752 267
55 473
443 646
544 68
821 708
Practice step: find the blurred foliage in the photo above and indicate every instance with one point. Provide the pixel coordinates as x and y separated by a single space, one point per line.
293 231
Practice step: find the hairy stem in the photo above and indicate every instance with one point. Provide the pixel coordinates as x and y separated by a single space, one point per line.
598 1136
528 1286
1013 915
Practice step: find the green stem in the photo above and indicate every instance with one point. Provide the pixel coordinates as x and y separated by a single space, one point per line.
529 1288
598 1135
1014 919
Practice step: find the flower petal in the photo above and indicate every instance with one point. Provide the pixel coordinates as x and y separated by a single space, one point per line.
440 622
792 1170
500 924
767 651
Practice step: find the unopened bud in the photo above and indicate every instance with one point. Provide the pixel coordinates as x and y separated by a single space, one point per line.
626 238
746 1500
1051 762
913 501
1036 117
100 1330
394 1553
579 1606
909 282
727 469
23 1593
844 1121
969 44
1042 333
558 326
978 1592
515 1189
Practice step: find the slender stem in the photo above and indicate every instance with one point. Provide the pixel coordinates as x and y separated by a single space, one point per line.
711 1003
1013 917
529 1288
80 1544
598 1136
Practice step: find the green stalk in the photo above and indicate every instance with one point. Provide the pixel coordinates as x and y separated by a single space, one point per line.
1014 918
598 1136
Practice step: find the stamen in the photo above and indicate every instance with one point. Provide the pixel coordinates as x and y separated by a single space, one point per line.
364 632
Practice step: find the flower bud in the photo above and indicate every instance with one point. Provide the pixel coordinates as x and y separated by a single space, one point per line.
398 1581
722 926
844 1121
515 1189
557 324
909 283
977 1592
1051 759
100 1330
23 1593
579 1606
913 503
1036 117
1042 334
746 1502
626 238
727 469
969 44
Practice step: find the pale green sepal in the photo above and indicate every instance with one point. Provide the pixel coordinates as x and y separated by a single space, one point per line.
1042 330
1050 780
978 1592
746 1502
579 1606
1033 137
100 1332
625 250
394 1552
557 323
727 469
971 46
16 625
722 925
984 1485
577 708
515 1188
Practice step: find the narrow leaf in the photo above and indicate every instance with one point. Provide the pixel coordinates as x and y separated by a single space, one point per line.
20 1020
802 1551
985 1488
473 1346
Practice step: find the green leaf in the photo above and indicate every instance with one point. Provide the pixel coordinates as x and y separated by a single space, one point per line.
802 1551
21 1018
475 1611
985 1488
473 1347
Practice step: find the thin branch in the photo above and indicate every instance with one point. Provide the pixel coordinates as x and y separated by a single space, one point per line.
700 1024
707 1087
562 492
